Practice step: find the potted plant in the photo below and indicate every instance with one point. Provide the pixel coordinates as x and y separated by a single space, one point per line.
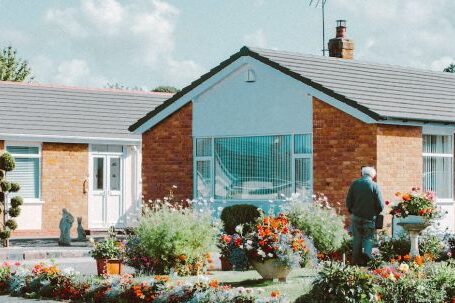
415 206
274 247
108 255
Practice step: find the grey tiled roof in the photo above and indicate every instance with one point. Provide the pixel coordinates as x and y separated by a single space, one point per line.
387 90
42 110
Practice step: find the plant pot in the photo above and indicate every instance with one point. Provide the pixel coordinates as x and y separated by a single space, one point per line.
109 267
412 219
272 269
225 264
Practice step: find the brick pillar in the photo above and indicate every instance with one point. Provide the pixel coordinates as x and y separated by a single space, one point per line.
167 157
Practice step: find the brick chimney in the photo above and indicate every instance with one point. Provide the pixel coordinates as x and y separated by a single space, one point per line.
340 46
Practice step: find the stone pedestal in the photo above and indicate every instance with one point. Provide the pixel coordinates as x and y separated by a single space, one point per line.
414 230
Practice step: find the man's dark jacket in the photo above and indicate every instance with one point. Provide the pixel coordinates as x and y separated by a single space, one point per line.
364 198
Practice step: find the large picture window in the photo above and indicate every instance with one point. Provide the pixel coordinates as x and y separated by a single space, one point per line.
438 165
27 171
253 168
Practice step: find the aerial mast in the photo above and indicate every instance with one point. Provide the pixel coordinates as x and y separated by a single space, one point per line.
316 4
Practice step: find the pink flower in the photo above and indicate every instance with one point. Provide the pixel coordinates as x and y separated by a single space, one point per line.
387 202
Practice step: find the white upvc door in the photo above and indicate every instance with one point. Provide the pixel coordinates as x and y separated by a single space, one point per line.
106 190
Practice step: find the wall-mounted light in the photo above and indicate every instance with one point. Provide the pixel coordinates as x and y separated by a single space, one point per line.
250 75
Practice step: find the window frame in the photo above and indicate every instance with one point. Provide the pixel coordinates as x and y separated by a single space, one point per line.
29 156
442 156
210 158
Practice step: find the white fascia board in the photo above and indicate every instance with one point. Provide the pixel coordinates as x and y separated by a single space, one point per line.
201 88
228 70
69 139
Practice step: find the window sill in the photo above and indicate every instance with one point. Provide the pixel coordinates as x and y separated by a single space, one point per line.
32 201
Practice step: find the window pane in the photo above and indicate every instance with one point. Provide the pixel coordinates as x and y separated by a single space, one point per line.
115 148
99 148
437 176
437 144
27 175
253 167
114 174
98 173
303 176
203 179
23 150
302 144
203 147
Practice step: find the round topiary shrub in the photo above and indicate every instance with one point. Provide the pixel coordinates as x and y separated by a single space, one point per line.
15 187
16 201
5 186
7 162
11 224
238 214
14 212
5 234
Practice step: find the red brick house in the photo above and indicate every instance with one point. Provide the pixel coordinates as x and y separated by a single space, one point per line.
73 150
268 123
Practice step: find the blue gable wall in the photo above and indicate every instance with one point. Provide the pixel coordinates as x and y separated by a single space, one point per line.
273 104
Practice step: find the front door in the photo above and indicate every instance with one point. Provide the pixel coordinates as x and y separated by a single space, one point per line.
105 202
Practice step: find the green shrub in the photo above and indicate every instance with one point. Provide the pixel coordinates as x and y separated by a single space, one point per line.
176 239
323 225
431 245
337 283
392 248
11 224
5 234
15 187
411 288
443 275
14 212
7 162
5 186
238 214
16 201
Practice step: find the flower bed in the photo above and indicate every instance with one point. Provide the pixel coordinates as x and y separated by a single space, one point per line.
49 281
399 282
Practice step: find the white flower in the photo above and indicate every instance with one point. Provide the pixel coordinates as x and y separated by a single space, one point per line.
403 267
249 242
239 228
270 255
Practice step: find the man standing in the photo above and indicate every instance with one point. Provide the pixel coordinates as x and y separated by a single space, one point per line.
364 202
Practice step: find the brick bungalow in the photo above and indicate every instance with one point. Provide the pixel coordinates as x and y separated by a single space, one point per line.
73 150
265 123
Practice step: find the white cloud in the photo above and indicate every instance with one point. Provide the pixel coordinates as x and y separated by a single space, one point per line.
66 20
105 14
184 71
258 39
77 72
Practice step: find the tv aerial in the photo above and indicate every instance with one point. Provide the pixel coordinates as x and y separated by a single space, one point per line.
322 3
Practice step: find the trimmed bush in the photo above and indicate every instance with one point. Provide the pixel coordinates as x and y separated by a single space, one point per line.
14 212
16 201
15 187
7 162
238 214
5 185
5 234
11 224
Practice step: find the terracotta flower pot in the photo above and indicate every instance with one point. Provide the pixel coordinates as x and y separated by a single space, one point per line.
272 269
225 264
109 267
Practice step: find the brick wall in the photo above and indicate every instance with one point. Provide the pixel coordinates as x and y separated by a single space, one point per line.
400 159
342 144
64 170
167 157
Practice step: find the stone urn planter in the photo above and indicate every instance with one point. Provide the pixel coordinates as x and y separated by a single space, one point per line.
414 225
272 269
109 267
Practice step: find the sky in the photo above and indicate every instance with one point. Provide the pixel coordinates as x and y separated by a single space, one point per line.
146 43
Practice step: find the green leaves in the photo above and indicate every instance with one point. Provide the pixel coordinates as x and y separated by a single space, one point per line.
7 162
11 67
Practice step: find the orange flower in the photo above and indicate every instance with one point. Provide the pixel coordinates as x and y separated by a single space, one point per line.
399 258
397 194
407 258
407 197
162 278
213 283
275 294
182 258
419 260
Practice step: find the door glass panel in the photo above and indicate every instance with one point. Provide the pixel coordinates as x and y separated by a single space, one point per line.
98 173
114 173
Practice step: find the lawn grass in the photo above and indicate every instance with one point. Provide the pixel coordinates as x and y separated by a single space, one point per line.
297 284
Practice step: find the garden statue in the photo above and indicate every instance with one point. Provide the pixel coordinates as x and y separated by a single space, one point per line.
65 228
80 230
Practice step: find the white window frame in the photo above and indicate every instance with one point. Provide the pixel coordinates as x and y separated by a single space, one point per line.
443 155
210 158
39 156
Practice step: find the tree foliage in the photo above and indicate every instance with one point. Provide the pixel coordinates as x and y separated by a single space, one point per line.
450 68
13 68
166 89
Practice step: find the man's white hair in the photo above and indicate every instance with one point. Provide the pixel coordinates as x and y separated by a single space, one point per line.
368 171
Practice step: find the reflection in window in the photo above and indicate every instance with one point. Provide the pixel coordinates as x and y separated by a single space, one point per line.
98 173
